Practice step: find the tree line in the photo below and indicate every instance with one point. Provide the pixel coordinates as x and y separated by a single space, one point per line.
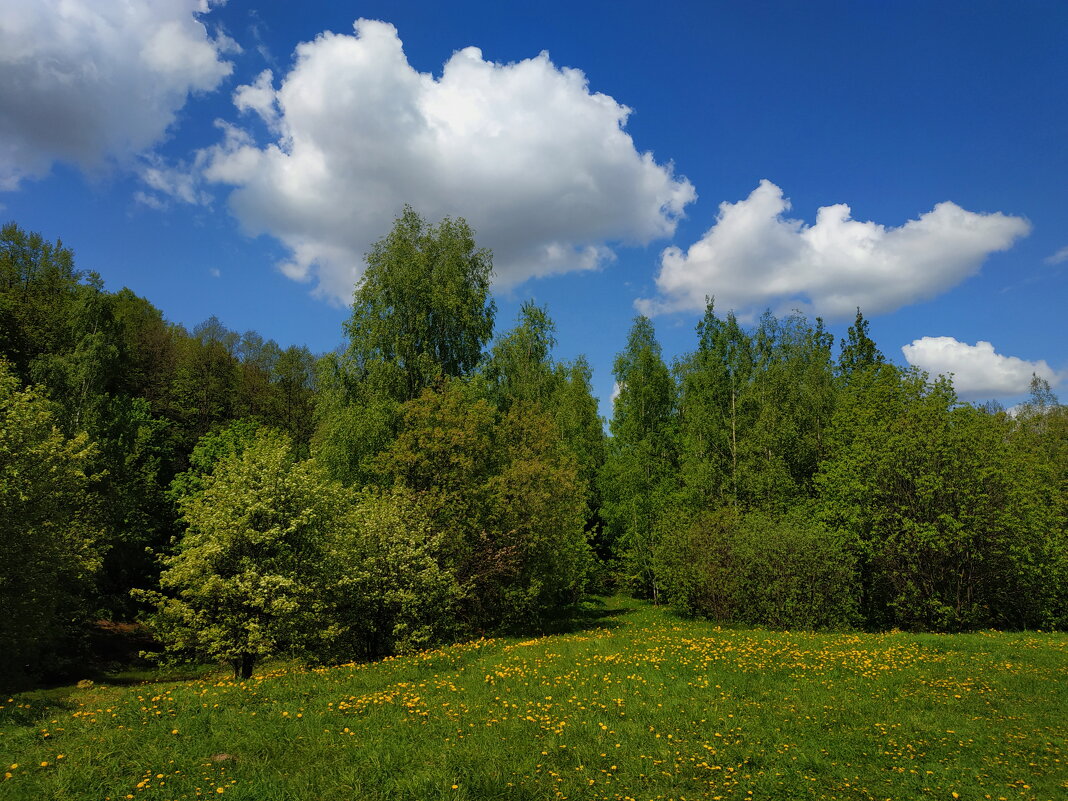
427 482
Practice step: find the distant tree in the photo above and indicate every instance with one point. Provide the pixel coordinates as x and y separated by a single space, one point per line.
38 284
858 350
715 410
422 308
791 398
639 476
520 365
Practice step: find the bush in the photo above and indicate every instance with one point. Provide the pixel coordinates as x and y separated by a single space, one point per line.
760 570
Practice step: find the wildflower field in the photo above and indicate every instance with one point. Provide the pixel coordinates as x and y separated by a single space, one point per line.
637 704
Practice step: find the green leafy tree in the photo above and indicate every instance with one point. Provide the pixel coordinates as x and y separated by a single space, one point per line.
582 430
385 590
638 480
521 369
421 312
422 308
504 493
858 350
791 397
520 365
715 412
48 542
245 581
949 519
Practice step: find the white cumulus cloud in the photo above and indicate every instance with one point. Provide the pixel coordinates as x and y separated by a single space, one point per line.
754 256
978 371
93 81
540 166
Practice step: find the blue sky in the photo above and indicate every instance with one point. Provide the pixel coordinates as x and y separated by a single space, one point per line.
654 154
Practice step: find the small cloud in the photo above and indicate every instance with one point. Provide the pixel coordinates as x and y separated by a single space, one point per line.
978 371
260 98
616 387
1059 257
215 272
181 182
152 201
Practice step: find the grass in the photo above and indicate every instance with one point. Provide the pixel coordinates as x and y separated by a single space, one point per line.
636 705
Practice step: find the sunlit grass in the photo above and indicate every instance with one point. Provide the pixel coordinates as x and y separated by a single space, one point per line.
640 705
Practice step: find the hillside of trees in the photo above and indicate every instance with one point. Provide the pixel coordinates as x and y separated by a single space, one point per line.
429 482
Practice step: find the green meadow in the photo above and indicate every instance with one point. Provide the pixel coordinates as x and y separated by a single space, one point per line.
631 703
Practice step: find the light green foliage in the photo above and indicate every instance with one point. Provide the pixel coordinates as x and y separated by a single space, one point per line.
245 580
639 474
504 493
520 366
384 590
47 545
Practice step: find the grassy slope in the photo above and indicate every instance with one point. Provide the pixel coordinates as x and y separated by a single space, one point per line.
639 705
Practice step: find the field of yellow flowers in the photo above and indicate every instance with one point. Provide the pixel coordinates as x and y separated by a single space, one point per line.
636 705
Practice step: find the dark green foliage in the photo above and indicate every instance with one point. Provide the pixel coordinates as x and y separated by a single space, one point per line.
955 528
49 546
858 351
760 570
506 498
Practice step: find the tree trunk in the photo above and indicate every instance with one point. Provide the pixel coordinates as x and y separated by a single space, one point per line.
243 666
